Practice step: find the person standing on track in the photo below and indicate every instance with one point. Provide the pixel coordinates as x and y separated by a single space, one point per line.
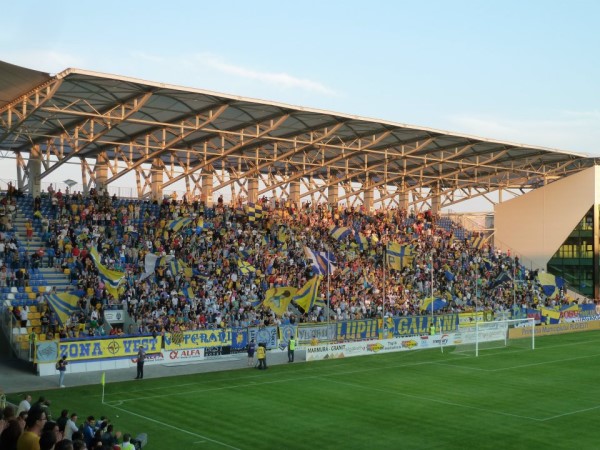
251 350
291 348
141 357
261 353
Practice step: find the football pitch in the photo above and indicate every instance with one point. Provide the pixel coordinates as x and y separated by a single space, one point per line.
507 398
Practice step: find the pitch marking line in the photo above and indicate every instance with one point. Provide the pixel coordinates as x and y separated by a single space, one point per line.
205 438
401 394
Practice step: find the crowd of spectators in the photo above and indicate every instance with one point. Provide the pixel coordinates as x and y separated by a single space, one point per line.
33 426
209 289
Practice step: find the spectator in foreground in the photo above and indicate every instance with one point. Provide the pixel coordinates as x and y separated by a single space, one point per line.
30 439
127 445
10 435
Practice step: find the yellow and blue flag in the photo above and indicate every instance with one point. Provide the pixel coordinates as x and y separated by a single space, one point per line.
63 304
110 277
477 242
339 233
399 255
177 265
322 262
278 299
550 316
245 267
178 224
254 211
431 303
550 283
306 297
362 241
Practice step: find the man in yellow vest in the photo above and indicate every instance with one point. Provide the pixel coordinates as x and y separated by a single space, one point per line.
291 348
261 354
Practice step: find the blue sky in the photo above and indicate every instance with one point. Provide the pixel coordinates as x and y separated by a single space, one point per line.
520 71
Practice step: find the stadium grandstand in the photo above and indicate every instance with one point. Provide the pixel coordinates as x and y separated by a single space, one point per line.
291 219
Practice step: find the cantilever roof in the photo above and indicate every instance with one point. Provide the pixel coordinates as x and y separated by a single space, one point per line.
83 114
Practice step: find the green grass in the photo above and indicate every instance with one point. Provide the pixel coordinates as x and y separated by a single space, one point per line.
509 398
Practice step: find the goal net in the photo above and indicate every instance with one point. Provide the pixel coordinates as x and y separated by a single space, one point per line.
514 333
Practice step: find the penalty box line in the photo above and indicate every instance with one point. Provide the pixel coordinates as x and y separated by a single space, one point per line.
182 430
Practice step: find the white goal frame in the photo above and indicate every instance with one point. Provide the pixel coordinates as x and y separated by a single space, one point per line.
498 330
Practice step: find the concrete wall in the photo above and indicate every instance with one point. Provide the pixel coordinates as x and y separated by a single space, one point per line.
534 225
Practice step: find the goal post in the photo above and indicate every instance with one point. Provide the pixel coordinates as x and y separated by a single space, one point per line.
510 333
498 334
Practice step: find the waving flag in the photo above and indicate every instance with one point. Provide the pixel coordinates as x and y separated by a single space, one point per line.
63 305
279 298
306 297
433 304
339 233
362 241
477 242
322 262
178 224
152 261
501 278
177 265
550 284
245 267
399 255
254 211
550 316
110 277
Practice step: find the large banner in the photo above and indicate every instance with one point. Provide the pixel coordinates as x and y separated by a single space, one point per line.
356 330
263 335
419 325
239 338
308 333
197 339
79 350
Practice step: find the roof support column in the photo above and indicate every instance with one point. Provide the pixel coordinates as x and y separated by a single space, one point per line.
207 189
368 196
295 193
156 174
333 194
252 190
35 171
101 171
435 200
403 200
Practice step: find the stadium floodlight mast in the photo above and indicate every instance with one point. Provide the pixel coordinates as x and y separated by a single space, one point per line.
432 297
476 287
384 289
514 281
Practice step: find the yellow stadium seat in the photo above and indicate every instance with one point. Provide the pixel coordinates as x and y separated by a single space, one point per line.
67 271
42 337
31 295
28 289
42 289
33 309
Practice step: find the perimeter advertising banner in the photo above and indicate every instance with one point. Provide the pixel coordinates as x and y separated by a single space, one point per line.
559 328
79 350
197 339
349 349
